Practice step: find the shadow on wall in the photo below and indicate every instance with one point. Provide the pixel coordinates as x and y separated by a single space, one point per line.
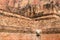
30 10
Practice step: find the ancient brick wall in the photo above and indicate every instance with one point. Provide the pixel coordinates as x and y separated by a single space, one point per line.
15 23
16 27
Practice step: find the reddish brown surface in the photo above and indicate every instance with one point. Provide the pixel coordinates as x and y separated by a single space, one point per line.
50 37
17 36
19 22
22 36
24 22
